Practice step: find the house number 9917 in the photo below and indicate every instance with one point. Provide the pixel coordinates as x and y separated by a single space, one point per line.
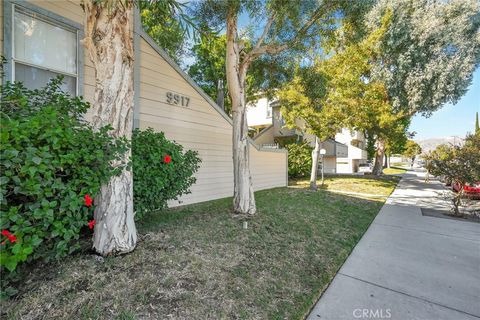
177 99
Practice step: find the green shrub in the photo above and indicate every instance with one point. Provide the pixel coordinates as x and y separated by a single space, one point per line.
50 159
299 159
155 181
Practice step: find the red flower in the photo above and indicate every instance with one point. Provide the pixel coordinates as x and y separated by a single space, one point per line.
10 236
167 159
88 200
91 223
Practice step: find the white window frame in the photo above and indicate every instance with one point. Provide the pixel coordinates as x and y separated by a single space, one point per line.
10 6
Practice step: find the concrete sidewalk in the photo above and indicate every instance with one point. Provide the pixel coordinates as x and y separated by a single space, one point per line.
409 266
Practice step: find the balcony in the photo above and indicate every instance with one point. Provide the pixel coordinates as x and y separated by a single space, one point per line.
357 135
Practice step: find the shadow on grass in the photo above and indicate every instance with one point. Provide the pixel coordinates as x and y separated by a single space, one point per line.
197 261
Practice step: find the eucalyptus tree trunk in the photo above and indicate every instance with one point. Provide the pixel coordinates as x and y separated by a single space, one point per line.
379 156
314 172
109 43
243 197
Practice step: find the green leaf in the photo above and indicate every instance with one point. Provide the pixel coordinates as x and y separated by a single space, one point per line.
37 160
10 263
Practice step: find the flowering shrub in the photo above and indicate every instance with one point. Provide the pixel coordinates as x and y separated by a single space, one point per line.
299 159
162 170
51 162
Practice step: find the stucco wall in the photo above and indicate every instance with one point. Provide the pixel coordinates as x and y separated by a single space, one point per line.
257 113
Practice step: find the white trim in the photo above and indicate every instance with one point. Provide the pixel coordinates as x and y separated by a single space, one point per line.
48 17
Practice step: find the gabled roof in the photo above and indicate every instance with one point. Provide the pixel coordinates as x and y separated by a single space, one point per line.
140 33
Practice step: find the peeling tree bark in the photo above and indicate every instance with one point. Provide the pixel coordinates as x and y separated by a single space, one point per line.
314 172
379 156
109 43
237 62
243 196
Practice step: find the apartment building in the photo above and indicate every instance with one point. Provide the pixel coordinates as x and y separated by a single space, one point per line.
344 152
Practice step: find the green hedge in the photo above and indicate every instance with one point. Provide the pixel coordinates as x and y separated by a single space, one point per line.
299 159
162 170
50 160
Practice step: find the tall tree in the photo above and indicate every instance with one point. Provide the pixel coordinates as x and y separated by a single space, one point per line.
287 26
338 92
425 62
109 43
412 150
396 141
303 107
265 74
359 100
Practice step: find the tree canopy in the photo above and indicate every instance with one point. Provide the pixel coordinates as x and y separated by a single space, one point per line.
412 149
265 74
337 92
429 52
167 24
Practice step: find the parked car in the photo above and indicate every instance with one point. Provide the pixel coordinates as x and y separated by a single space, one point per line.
365 168
471 191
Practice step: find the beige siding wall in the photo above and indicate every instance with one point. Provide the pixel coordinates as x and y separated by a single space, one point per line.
198 127
268 169
265 136
330 165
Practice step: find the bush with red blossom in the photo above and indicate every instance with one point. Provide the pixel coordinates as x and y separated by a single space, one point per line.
52 164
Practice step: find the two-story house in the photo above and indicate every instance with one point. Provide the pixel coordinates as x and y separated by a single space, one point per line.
343 153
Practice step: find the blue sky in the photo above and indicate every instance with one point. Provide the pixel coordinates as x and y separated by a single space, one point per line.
451 120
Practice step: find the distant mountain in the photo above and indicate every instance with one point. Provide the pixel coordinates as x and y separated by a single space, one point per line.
431 143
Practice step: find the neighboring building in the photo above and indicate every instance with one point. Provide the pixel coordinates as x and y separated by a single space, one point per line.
41 39
357 153
343 154
259 114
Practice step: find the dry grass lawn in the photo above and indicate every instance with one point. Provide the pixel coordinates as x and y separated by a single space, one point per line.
196 262
394 170
382 185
